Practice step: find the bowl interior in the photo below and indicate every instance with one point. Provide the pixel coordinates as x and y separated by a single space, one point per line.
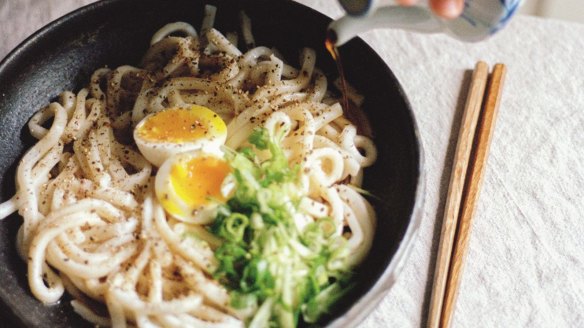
64 54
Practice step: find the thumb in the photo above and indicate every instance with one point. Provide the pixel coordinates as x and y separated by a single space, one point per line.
447 8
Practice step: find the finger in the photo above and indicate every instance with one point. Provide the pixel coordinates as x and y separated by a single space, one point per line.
447 8
407 2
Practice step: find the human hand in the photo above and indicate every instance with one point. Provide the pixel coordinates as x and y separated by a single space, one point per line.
444 8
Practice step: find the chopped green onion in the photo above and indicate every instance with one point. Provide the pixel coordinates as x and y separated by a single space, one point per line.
274 271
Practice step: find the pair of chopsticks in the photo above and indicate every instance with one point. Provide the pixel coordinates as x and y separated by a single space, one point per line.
474 137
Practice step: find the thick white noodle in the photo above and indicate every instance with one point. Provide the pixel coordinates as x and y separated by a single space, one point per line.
246 30
86 195
171 28
208 18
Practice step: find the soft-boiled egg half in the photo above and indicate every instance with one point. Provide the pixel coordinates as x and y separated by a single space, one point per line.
185 143
177 130
191 185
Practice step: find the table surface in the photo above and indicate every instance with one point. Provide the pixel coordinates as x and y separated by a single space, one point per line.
525 265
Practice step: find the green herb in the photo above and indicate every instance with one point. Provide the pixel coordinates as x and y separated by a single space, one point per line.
274 270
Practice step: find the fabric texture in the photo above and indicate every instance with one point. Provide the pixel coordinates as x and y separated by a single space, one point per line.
525 263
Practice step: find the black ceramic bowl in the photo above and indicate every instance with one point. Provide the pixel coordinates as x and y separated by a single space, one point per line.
62 56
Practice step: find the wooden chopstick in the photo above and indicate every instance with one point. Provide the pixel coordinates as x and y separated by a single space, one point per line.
474 179
466 136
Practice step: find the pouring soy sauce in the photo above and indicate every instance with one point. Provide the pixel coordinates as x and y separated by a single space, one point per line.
351 110
479 20
329 43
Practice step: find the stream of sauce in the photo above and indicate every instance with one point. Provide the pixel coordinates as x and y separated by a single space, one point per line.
329 43
352 113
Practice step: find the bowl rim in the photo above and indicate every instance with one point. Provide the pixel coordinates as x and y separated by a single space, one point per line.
366 304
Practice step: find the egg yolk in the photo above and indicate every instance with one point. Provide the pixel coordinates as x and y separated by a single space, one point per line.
199 179
182 124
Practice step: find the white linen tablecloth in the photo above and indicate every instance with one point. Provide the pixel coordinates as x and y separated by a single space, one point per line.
525 265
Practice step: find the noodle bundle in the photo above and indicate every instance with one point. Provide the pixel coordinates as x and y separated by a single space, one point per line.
92 224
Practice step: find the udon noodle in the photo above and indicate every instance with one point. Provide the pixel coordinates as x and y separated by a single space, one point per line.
91 222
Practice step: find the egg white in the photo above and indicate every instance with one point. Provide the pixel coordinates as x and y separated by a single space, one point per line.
158 151
172 201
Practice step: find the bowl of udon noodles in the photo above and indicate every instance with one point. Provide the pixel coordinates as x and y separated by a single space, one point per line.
192 164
